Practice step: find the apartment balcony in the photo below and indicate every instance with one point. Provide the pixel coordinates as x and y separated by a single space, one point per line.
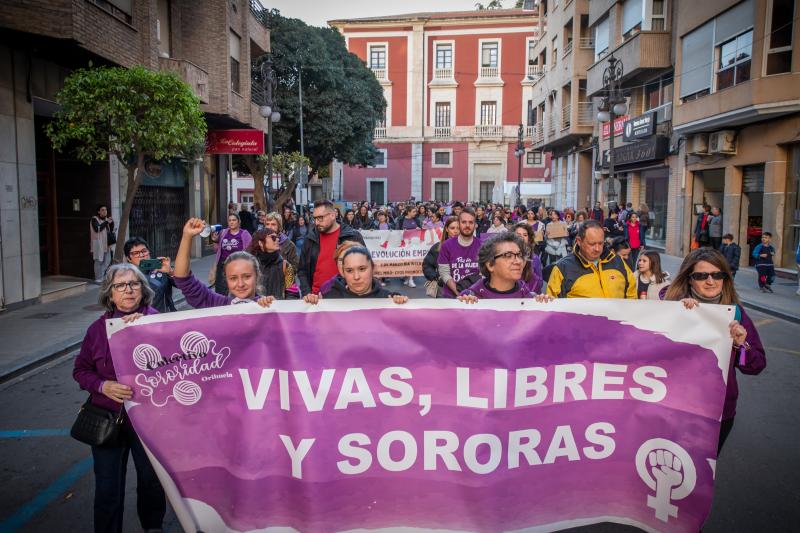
443 77
567 49
586 43
537 134
489 131
441 132
551 125
379 133
529 131
194 76
570 125
566 116
258 26
642 56
490 72
534 73
381 74
585 114
489 76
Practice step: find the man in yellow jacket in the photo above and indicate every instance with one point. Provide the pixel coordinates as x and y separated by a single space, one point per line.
592 270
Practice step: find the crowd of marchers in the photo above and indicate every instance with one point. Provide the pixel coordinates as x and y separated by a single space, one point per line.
486 252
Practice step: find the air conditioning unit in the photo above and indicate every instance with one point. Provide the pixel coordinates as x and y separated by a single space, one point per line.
722 142
697 144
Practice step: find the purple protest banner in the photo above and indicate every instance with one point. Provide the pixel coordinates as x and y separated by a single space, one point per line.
505 415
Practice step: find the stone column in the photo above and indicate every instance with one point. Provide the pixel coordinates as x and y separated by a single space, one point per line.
732 205
775 172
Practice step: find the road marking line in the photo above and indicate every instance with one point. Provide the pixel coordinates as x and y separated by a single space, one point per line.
21 433
786 350
764 322
43 499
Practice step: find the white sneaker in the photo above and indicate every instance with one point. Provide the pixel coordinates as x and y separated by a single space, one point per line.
411 282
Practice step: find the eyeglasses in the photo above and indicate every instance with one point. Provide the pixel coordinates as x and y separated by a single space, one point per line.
702 276
511 256
140 253
320 218
122 287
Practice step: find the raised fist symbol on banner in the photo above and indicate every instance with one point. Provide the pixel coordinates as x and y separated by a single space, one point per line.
667 469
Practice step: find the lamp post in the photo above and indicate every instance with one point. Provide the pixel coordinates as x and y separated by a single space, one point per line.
270 112
612 106
519 152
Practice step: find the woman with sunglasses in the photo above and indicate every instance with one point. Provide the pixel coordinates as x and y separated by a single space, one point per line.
501 260
275 270
705 278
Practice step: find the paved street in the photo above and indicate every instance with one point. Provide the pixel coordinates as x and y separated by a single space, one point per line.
48 482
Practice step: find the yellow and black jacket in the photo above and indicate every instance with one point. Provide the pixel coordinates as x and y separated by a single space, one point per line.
575 277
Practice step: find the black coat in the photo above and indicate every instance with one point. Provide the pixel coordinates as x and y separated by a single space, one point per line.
339 290
310 254
161 284
732 253
430 265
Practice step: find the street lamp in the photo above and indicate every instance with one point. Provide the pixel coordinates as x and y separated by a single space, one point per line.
270 112
612 106
519 152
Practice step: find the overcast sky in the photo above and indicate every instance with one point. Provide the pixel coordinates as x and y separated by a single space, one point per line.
319 12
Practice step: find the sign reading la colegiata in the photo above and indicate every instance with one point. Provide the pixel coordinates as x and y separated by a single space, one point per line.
246 141
499 416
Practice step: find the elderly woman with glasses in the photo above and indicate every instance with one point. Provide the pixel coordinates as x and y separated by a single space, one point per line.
501 260
705 278
126 294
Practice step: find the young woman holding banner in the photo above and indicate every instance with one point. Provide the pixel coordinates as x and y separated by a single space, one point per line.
241 271
357 280
705 278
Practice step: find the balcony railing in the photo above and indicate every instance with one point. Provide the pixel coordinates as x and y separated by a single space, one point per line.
566 116
193 75
587 42
380 133
490 72
441 131
537 136
443 73
380 73
567 49
260 13
488 130
586 113
529 131
551 125
536 71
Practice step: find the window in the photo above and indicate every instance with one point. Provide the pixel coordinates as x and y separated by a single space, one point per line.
234 45
531 116
780 26
485 189
488 113
658 92
441 158
696 51
444 56
554 48
533 158
380 159
632 17
377 57
246 197
441 191
531 55
734 61
442 115
489 55
658 16
601 39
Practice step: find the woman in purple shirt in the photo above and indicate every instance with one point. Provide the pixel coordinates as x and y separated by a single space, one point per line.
125 294
229 241
501 260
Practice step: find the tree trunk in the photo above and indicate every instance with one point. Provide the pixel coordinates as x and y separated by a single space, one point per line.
258 172
134 171
286 195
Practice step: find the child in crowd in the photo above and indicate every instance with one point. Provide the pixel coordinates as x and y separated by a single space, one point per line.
731 251
763 254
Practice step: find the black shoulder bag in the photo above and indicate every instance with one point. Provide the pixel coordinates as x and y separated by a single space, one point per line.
97 426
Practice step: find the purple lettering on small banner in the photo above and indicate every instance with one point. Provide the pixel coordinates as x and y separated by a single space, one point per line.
399 253
506 415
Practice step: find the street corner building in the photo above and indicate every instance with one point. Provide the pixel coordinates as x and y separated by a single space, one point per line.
458 87
49 197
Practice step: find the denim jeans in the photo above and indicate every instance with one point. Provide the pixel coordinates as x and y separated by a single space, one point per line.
110 467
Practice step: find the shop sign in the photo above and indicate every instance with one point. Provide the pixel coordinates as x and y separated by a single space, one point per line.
235 142
654 148
619 122
639 127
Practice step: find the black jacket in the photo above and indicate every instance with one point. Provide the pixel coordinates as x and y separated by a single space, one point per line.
162 285
732 253
339 290
310 254
482 225
430 265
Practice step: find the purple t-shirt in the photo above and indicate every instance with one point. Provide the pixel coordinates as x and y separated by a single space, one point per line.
463 261
229 244
480 290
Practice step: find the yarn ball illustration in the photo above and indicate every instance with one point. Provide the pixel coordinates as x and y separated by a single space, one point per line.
194 342
146 356
187 392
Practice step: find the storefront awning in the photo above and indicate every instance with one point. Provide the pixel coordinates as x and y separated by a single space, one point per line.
536 190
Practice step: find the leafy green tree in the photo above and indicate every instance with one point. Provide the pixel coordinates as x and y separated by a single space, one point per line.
493 4
132 114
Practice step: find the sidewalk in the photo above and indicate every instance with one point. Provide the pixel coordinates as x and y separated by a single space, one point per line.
784 303
39 332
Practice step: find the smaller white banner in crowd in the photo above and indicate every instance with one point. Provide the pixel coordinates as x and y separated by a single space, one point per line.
399 253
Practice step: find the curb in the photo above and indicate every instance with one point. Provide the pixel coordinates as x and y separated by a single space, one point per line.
772 312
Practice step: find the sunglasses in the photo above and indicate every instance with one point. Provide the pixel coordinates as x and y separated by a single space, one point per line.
702 276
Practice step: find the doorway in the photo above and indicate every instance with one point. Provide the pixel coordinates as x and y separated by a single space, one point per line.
376 190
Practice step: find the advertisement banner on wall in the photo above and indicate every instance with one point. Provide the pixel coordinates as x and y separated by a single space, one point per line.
241 142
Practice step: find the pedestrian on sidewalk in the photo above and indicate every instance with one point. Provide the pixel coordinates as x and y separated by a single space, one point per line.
763 254
124 293
715 228
732 252
704 278
101 240
650 279
229 241
160 279
633 233
701 234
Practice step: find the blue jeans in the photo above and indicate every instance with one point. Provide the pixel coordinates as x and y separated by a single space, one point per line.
110 467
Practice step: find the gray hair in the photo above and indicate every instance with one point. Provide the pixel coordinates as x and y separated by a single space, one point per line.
108 280
489 249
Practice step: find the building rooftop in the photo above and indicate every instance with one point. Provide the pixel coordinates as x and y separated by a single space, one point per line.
442 15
